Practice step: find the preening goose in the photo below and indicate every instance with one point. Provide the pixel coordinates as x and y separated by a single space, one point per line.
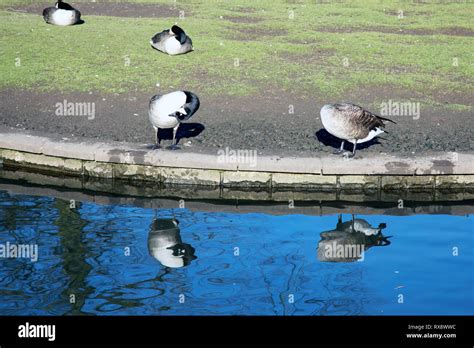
169 110
62 14
166 246
172 41
352 123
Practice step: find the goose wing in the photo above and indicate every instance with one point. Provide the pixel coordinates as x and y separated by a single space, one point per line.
165 34
155 98
47 12
361 117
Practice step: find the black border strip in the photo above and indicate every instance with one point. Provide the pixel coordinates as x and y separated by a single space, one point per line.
224 330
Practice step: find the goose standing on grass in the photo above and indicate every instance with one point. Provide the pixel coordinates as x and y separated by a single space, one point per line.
172 41
352 123
169 110
62 14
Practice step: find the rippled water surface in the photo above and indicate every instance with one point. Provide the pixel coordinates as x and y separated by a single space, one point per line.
123 260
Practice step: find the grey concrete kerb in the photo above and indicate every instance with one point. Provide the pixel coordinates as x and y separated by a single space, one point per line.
137 162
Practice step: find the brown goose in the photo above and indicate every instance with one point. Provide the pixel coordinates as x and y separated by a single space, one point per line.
352 123
349 241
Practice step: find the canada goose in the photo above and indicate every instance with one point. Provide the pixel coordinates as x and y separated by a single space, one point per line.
62 14
349 240
169 110
172 41
358 225
166 246
352 123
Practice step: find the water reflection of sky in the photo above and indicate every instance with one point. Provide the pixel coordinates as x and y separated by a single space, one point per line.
277 271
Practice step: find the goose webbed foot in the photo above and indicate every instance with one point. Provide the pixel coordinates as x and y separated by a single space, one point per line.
348 154
351 154
173 147
156 147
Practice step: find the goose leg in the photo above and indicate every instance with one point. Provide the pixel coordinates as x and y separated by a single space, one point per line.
174 146
341 150
157 140
354 148
349 154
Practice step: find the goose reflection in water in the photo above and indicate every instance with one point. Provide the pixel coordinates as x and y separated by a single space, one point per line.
349 241
165 244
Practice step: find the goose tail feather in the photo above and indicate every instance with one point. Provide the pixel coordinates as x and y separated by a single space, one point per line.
385 119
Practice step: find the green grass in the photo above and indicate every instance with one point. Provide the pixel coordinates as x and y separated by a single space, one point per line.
271 50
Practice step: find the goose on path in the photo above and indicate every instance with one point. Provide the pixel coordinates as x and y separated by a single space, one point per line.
172 41
350 122
62 14
169 110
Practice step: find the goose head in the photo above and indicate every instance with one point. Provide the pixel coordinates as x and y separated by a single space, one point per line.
181 114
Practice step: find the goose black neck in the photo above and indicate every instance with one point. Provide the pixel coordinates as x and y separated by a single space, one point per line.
64 6
180 34
192 103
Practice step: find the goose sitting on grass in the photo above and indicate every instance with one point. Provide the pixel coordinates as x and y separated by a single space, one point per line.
172 41
169 110
62 14
352 123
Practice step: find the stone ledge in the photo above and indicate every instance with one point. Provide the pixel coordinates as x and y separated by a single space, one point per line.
130 153
244 180
136 162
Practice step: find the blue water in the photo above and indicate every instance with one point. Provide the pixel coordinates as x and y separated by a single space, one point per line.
227 263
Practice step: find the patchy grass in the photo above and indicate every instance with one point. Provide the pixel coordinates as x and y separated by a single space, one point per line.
332 50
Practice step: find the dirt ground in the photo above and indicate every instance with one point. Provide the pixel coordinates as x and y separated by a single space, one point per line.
107 8
263 122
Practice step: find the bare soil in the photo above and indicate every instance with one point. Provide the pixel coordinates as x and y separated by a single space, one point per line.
113 9
262 122
450 31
